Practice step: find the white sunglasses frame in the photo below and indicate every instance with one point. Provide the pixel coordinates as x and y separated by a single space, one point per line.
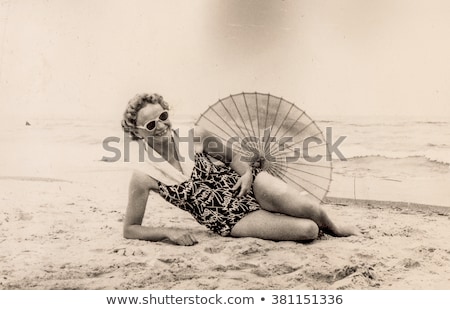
154 120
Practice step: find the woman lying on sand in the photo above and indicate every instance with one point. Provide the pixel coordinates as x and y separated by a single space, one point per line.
231 200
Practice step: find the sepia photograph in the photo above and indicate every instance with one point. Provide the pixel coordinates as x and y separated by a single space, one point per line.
213 145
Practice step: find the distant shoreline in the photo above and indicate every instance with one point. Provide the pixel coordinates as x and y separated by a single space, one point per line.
386 204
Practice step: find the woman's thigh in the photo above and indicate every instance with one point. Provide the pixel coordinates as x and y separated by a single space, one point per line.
276 196
274 226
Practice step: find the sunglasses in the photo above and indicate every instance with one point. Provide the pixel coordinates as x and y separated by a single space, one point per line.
151 125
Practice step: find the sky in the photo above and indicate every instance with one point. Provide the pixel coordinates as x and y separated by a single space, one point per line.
87 58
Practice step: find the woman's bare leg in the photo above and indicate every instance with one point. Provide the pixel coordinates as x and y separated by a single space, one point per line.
277 227
276 196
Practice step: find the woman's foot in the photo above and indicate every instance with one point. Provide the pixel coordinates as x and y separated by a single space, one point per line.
346 231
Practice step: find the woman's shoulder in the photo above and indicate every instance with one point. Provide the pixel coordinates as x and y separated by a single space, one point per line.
192 131
189 128
191 136
202 135
199 130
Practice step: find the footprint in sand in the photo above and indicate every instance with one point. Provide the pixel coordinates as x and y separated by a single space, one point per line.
127 252
344 272
350 276
238 267
409 263
169 260
24 216
214 249
255 248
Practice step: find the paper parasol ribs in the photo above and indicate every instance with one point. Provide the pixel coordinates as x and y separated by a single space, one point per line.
273 133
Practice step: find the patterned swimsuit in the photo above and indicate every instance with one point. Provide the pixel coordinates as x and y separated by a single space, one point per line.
208 197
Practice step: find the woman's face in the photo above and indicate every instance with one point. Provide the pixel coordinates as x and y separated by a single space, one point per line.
152 112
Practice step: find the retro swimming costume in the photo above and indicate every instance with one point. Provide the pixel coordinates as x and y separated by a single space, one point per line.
208 197
202 188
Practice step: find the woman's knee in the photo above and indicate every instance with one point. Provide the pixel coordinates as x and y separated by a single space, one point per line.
307 231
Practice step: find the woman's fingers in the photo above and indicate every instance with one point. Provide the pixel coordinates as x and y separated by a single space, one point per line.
243 192
237 185
186 239
245 187
181 238
245 181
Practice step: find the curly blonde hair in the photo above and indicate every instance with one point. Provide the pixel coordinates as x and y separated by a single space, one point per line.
134 105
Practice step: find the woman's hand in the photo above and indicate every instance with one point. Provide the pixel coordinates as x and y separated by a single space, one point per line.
180 238
245 183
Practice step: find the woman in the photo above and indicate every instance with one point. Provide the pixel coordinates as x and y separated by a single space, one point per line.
231 200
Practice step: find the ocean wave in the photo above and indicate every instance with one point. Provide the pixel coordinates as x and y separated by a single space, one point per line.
412 158
437 151
433 122
388 168
441 145
322 121
387 123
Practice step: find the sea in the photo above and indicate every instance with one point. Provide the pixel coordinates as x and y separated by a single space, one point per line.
396 159
388 159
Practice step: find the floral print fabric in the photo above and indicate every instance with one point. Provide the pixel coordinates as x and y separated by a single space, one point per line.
208 197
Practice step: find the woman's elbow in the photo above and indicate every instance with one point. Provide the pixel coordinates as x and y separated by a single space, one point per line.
128 232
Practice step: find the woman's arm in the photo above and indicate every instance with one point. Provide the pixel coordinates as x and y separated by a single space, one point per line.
214 146
139 190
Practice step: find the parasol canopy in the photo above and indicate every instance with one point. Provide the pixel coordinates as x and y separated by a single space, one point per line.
276 135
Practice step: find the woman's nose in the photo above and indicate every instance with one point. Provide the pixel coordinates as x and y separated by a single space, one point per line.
160 124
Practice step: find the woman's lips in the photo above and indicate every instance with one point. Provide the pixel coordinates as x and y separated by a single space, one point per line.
161 133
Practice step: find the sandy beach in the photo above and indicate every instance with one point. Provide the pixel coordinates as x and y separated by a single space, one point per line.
372 75
66 234
62 210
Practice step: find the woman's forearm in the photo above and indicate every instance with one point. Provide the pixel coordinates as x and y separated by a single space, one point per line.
170 235
239 165
144 233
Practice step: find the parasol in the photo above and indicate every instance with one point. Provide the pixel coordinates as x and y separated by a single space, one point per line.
276 135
